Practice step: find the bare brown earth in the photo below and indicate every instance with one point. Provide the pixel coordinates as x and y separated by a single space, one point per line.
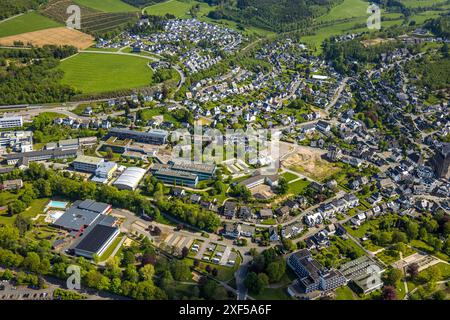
374 42
54 36
309 161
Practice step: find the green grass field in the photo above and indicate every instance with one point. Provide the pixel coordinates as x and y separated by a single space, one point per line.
107 5
36 207
26 23
96 73
289 176
353 26
298 186
180 9
345 10
421 3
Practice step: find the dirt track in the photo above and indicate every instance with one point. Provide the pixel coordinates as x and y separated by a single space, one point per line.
55 36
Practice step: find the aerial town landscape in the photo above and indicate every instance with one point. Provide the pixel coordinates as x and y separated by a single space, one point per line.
224 150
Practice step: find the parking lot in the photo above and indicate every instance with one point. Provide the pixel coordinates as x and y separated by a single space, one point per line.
10 292
211 252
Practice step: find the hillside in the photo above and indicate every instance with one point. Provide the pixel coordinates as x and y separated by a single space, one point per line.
274 15
10 8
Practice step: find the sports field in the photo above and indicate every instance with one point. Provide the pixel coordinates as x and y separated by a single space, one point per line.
107 5
96 73
180 9
26 23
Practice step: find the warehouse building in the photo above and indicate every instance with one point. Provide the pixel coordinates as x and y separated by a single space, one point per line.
130 178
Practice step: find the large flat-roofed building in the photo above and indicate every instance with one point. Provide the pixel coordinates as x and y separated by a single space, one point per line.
130 178
202 171
82 214
11 122
42 155
158 137
18 141
96 241
312 275
180 178
87 164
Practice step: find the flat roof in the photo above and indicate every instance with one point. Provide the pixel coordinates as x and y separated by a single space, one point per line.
89 160
53 152
176 174
96 238
82 213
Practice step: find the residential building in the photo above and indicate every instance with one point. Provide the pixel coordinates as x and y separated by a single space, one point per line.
11 184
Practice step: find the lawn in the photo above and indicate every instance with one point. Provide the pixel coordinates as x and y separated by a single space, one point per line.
388 256
36 207
298 186
368 226
289 176
180 9
107 254
345 293
96 73
272 294
26 23
107 5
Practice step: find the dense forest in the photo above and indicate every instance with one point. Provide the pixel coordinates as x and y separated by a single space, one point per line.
275 15
10 8
342 54
440 26
29 76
